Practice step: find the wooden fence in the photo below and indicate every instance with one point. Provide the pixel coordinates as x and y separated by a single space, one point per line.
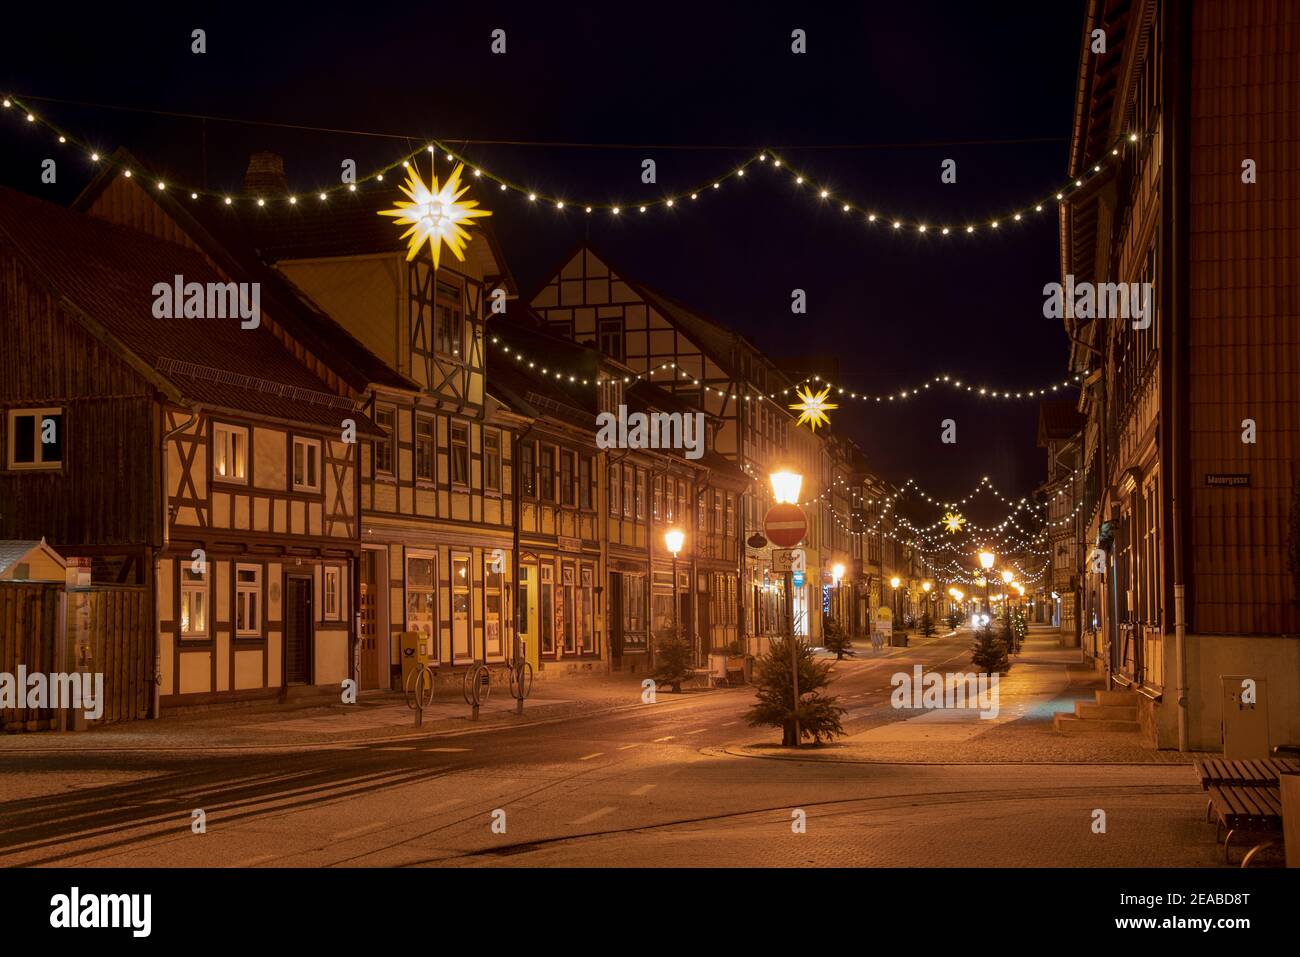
108 631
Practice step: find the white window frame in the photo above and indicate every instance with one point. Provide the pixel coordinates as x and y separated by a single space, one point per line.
293 464
220 431
336 612
200 587
10 445
244 591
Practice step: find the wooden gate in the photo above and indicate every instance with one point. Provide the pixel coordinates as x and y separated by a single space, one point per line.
29 625
110 630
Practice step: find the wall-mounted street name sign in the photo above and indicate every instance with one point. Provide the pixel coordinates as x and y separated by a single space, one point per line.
1228 479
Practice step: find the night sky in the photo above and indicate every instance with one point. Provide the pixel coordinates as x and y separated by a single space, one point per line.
695 89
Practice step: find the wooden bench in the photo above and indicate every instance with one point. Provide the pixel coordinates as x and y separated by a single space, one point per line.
1255 773
1252 809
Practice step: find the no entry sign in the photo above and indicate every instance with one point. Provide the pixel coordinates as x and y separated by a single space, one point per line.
785 525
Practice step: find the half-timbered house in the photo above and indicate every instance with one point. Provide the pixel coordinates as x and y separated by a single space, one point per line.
204 459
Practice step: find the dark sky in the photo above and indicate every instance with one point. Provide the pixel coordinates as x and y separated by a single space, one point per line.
705 86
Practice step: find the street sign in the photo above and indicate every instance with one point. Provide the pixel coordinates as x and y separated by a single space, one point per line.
785 525
789 560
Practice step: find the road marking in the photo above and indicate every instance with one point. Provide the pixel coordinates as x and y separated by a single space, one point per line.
255 860
625 747
643 790
728 724
588 757
702 730
410 747
587 819
671 736
451 750
444 805
357 831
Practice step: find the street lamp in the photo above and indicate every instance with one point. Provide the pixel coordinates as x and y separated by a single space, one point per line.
894 583
674 538
837 572
987 559
785 489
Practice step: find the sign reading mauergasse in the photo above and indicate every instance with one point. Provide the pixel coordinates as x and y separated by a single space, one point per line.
1228 479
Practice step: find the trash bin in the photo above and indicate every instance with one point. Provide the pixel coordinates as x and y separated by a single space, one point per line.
899 639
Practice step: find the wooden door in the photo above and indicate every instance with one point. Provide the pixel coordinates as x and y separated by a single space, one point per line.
370 664
297 631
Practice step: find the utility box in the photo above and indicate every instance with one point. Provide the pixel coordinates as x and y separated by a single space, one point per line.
1245 718
416 649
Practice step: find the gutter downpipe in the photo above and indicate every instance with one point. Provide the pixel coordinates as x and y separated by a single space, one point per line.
155 701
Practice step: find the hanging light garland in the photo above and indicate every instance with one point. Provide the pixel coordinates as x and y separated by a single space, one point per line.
947 381
766 159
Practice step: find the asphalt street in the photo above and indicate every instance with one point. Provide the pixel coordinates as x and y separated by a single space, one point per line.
659 784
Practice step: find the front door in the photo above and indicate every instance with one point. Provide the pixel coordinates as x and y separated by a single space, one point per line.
370 652
703 598
297 631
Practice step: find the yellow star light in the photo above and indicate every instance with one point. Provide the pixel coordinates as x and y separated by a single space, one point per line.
954 522
435 214
812 408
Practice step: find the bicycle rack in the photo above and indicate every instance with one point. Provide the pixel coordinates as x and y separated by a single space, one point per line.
476 686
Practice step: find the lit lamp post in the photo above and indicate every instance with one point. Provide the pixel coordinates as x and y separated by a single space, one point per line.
837 573
1007 579
925 587
986 562
674 538
894 583
785 489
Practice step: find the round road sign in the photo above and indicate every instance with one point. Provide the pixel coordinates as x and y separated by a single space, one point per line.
785 525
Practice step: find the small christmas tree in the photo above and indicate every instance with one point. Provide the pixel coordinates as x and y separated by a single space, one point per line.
674 658
927 624
819 715
989 652
836 637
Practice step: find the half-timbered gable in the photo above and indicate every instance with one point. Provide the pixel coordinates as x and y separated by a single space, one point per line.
251 508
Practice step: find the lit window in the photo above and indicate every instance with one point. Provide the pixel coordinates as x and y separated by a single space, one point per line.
491 460
423 449
194 602
35 438
460 454
229 453
386 419
332 586
248 600
306 464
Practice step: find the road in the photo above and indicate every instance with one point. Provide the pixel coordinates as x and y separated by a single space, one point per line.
649 786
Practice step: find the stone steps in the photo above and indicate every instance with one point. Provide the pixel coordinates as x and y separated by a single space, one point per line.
1111 711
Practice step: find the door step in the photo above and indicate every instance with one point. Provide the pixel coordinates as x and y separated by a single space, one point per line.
1110 711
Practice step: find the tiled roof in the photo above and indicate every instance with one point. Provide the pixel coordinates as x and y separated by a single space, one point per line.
11 550
108 272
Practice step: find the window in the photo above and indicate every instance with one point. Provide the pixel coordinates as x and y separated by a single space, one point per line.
528 468
634 607
459 454
717 513
420 592
568 608
683 515
461 620
386 419
424 445
614 472
492 607
731 516
567 460
546 473
584 481
658 505
306 464
35 438
546 610
448 324
640 493
629 491
670 486
492 460
610 339
248 600
194 602
332 586
587 613
229 453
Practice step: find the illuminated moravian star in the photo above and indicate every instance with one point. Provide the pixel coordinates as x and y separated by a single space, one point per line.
435 214
812 407
954 522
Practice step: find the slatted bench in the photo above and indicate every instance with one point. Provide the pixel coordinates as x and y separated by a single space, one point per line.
1251 809
1255 773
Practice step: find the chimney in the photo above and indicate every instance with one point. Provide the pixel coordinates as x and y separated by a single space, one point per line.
265 174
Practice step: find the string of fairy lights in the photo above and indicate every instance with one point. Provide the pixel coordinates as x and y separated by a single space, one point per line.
943 380
765 159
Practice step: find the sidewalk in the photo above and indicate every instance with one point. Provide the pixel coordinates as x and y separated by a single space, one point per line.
1044 679
377 716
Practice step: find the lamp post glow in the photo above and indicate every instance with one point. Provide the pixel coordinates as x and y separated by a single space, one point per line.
674 538
837 573
987 559
786 486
